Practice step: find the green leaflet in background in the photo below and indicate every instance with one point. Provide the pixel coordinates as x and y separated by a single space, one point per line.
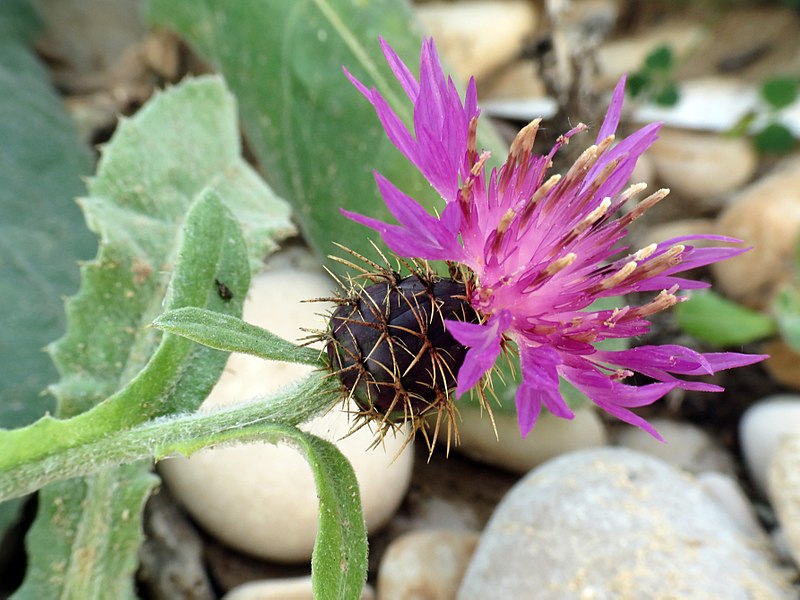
317 139
42 232
716 320
182 145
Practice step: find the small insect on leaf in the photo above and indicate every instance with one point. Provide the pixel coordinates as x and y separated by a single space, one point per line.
223 290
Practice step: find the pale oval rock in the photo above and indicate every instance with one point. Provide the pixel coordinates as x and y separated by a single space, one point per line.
766 216
784 491
687 446
550 437
612 523
727 492
701 167
762 428
294 588
479 36
260 498
425 564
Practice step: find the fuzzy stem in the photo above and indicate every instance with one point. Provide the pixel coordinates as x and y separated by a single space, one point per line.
260 420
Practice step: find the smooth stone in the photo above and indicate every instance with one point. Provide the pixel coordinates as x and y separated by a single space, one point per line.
726 491
295 588
479 36
701 167
762 428
766 216
550 437
259 498
613 523
519 80
687 446
784 491
425 564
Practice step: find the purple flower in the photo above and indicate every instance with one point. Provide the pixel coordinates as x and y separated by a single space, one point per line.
540 249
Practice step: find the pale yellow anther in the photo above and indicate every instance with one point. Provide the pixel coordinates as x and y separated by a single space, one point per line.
557 265
645 252
632 191
505 222
478 166
619 276
523 142
596 214
605 143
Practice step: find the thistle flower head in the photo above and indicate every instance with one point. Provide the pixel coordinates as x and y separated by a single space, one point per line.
536 249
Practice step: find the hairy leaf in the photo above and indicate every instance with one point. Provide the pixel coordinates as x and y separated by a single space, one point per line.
225 332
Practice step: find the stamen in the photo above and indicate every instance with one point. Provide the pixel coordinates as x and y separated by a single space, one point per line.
472 140
560 264
644 206
592 217
522 146
645 252
537 197
618 277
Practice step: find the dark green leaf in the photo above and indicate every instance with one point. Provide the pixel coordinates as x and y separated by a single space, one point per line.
660 59
317 139
713 319
42 232
780 92
668 95
637 83
774 139
226 332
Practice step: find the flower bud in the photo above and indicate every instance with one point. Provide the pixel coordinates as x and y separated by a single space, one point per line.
391 350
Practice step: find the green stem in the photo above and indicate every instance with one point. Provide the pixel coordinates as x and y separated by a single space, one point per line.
260 420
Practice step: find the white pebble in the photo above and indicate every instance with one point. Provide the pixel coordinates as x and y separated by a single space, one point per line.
762 428
784 491
425 564
478 36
